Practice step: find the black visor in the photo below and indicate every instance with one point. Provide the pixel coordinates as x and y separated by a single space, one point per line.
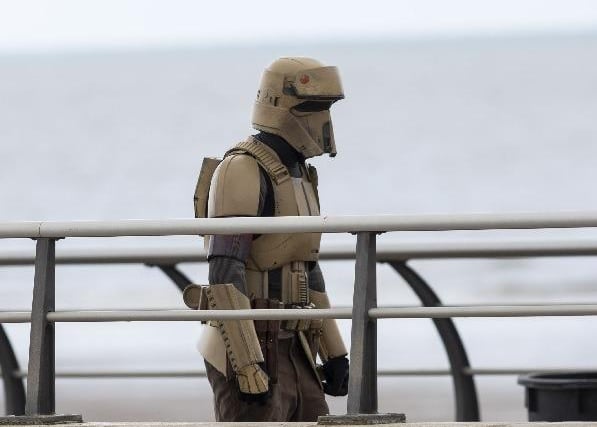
313 106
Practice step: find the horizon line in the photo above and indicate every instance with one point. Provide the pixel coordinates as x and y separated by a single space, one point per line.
259 43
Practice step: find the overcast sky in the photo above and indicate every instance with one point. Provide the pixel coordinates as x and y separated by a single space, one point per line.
59 24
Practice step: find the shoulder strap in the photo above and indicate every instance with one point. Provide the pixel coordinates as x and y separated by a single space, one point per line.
253 147
314 178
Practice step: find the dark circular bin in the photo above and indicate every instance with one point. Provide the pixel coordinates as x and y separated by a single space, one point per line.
570 396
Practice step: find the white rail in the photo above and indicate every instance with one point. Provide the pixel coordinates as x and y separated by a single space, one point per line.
483 311
290 314
316 224
385 252
194 373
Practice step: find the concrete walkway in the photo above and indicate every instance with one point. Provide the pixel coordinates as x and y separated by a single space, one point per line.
428 424
431 424
288 424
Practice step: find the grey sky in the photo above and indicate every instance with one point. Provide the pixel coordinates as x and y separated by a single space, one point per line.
42 24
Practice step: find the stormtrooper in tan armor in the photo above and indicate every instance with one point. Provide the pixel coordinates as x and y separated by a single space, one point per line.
267 370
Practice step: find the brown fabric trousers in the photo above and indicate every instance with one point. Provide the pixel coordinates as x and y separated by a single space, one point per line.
297 395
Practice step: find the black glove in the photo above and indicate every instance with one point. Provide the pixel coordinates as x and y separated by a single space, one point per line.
336 376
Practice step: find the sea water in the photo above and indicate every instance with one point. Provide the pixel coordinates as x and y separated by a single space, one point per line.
436 126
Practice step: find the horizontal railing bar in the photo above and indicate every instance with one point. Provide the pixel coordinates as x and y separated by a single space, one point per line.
153 256
194 315
484 311
522 371
15 317
317 224
387 252
123 374
381 372
289 314
484 249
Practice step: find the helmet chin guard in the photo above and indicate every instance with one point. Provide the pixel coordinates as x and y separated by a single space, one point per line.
293 102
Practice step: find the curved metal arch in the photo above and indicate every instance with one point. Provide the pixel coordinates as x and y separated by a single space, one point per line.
465 392
14 390
178 277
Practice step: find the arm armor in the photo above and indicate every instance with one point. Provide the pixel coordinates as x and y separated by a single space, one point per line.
331 344
240 339
235 188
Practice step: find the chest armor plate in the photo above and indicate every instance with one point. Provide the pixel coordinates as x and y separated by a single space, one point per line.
292 197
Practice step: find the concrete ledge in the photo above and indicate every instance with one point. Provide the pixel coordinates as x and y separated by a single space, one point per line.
360 419
288 424
37 420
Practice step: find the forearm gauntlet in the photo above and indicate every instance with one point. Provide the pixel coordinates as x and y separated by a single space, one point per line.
239 336
331 344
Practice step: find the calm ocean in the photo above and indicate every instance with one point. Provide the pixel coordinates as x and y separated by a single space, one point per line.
454 126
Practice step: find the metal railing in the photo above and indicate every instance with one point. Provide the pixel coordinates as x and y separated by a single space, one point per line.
313 224
364 313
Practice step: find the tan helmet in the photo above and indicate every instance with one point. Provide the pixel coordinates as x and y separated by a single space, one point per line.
293 101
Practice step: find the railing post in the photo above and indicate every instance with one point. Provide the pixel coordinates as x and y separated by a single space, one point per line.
362 384
41 375
41 401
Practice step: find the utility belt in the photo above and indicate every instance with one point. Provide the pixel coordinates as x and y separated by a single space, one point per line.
269 332
301 324
194 297
288 283
285 325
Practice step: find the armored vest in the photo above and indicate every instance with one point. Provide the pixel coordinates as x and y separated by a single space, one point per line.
234 191
231 187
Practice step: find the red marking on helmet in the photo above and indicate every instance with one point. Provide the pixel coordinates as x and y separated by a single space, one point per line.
304 79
